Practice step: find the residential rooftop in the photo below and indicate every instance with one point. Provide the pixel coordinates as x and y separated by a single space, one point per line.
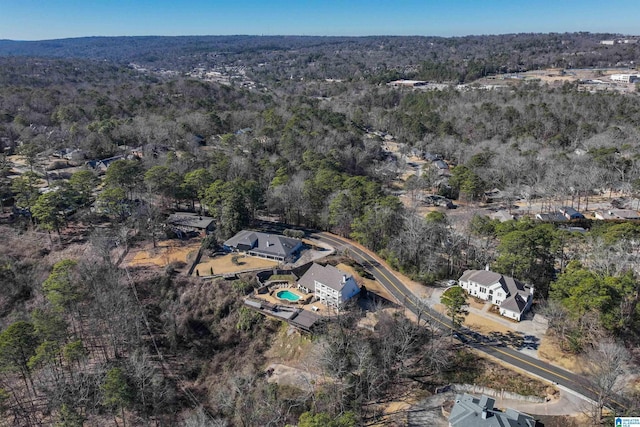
263 244
518 292
189 219
471 411
327 275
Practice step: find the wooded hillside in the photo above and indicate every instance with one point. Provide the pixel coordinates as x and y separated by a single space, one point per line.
102 138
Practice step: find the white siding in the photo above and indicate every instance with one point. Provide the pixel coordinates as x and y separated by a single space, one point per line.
334 298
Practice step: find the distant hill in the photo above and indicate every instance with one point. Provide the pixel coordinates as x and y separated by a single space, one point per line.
433 58
141 47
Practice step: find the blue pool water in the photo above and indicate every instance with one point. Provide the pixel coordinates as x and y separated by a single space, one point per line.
288 295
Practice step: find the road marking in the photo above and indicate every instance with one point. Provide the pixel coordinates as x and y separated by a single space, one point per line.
362 255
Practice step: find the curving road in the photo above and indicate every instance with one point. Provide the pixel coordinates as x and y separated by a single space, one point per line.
475 340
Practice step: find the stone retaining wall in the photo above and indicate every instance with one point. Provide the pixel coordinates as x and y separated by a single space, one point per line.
502 394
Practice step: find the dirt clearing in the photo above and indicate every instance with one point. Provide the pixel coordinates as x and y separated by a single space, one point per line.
165 252
550 351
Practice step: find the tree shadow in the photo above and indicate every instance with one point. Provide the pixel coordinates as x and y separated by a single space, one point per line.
516 340
371 301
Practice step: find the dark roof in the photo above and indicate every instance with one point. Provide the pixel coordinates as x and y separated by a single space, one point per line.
305 319
441 164
327 275
189 219
104 162
107 162
570 212
266 244
551 217
470 411
516 303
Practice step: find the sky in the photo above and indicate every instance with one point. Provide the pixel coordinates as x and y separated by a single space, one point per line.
54 19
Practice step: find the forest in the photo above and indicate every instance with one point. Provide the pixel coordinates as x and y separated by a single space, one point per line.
86 341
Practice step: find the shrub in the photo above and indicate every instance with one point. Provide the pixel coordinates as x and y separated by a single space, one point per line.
209 242
297 234
174 266
58 164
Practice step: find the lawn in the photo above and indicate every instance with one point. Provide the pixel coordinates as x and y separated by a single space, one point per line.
224 264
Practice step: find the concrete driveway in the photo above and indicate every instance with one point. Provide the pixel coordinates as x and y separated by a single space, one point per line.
528 333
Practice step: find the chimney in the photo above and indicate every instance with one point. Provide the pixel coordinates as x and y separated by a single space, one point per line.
486 267
484 404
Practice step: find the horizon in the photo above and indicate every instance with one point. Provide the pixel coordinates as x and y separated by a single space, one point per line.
313 35
32 20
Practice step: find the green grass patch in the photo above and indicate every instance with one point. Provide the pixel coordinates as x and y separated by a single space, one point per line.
283 277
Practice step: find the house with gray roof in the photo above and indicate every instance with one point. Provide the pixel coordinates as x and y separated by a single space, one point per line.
263 245
551 217
330 285
185 222
512 297
471 411
617 214
103 165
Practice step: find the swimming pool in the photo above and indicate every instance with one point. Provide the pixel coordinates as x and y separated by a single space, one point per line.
288 295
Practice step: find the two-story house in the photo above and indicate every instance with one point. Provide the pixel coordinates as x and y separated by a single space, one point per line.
330 285
512 297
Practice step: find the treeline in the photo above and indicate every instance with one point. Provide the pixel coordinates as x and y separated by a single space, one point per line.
507 138
97 344
308 160
85 342
304 154
279 58
586 283
80 351
98 108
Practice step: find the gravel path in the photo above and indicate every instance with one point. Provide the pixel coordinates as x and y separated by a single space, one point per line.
568 404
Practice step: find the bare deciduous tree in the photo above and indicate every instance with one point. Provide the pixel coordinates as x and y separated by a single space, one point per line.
606 365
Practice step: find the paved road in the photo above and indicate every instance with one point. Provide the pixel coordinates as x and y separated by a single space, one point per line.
475 340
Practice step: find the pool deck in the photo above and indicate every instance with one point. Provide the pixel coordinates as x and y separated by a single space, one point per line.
304 303
272 296
292 314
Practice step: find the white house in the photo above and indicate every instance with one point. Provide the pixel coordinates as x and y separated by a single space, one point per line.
407 83
617 214
332 286
624 78
512 297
